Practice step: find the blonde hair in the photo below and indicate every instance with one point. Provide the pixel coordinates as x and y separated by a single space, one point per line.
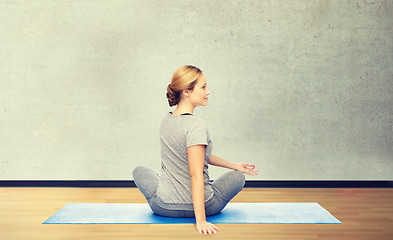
185 77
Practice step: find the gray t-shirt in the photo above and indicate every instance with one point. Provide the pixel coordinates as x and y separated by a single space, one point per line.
177 132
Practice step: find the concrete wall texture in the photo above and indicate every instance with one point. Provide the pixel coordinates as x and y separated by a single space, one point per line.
302 89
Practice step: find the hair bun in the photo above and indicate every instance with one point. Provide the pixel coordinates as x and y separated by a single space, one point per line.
171 96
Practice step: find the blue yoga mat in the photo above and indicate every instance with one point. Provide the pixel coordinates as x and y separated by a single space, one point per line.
140 213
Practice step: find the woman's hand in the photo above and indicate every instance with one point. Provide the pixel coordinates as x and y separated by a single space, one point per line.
206 228
246 168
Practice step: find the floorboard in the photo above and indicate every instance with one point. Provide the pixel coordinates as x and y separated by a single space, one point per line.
364 213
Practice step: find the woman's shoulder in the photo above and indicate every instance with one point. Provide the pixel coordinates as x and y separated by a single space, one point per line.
194 120
196 124
184 121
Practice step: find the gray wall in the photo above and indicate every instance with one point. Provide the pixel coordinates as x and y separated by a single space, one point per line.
303 89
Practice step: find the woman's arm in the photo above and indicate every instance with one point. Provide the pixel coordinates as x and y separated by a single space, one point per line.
217 161
196 161
240 167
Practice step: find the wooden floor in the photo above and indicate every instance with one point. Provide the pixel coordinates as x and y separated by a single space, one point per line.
364 213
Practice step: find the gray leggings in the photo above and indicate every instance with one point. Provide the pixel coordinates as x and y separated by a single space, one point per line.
225 188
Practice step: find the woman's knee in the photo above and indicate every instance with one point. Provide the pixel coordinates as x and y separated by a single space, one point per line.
229 184
240 178
146 181
138 171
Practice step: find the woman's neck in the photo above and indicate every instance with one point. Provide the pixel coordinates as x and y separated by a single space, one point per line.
183 108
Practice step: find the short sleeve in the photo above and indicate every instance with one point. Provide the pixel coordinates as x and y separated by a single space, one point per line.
197 134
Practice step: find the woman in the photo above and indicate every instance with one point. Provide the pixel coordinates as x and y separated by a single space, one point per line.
183 189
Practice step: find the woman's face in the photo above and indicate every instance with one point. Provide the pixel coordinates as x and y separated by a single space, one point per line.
198 97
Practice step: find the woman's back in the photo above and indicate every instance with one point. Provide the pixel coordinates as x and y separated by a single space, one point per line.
177 132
